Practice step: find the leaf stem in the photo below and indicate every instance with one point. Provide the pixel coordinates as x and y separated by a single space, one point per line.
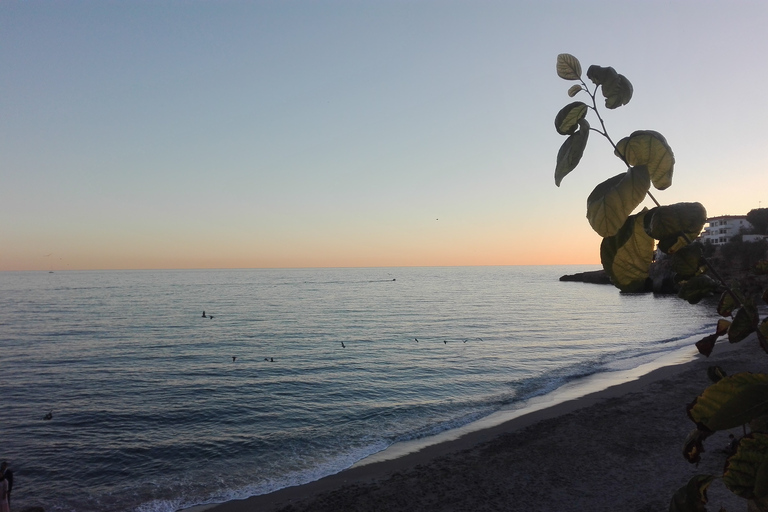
604 133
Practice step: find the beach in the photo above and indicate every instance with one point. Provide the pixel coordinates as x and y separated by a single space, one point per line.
615 449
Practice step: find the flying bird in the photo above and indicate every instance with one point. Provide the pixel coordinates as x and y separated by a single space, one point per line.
417 339
343 345
233 358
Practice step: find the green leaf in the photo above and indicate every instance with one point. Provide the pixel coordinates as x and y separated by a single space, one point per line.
744 323
727 304
731 402
647 147
686 262
697 288
676 225
611 202
693 496
676 219
672 244
746 472
567 120
756 505
722 327
617 92
600 75
571 151
568 67
574 90
627 255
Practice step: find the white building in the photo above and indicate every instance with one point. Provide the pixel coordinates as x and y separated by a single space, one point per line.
719 230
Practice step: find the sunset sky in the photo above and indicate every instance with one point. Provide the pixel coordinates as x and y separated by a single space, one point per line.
237 134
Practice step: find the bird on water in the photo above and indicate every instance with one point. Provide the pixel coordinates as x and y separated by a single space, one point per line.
48 416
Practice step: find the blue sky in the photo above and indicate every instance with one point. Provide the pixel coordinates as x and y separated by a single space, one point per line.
352 133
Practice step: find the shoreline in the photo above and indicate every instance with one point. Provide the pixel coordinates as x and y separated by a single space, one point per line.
383 480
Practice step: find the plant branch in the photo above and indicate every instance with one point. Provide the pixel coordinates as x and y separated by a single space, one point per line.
604 133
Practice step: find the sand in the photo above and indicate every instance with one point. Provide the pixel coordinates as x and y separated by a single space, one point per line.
616 449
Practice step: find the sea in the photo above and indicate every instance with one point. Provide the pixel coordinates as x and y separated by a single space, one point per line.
291 375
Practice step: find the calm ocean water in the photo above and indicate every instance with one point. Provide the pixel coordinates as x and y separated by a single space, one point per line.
151 413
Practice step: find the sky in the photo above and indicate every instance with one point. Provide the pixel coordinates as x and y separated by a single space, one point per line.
353 133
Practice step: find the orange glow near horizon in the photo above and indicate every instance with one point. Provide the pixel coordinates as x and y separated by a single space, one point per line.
402 252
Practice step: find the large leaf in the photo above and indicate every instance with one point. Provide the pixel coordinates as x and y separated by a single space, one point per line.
600 75
697 288
731 402
744 323
650 148
617 90
693 496
568 67
611 202
676 219
746 472
571 151
686 262
727 304
675 226
627 255
567 120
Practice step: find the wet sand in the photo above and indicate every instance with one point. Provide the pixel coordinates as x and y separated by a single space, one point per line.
615 449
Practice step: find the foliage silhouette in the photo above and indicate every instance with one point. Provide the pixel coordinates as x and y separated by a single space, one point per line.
626 253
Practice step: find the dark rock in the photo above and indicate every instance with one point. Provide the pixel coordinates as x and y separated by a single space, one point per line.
592 277
662 276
